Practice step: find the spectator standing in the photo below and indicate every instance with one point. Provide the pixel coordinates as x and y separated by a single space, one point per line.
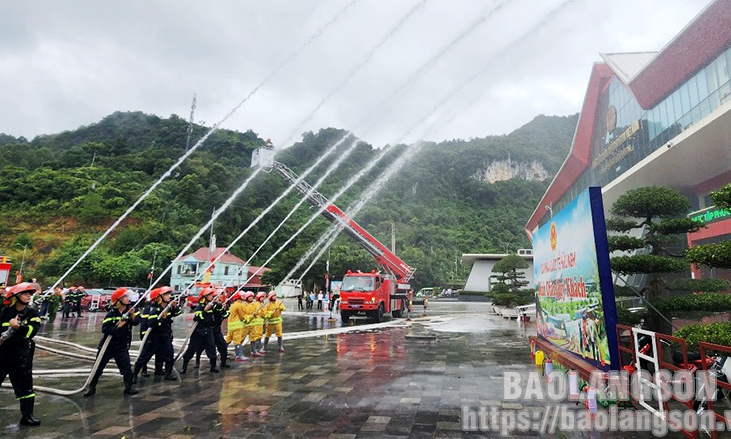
300 307
319 301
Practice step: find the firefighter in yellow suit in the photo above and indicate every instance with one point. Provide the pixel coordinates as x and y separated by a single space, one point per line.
273 314
256 324
237 329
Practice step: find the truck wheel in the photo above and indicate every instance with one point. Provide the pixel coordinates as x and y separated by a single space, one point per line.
398 313
378 314
344 316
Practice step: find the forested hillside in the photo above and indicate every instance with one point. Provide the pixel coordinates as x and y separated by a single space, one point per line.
59 192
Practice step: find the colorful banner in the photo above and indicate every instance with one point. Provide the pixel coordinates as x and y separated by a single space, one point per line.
574 292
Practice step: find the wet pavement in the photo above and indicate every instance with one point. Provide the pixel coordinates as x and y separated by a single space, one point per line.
404 379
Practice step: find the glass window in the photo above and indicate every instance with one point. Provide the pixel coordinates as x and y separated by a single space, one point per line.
677 107
225 270
702 85
721 70
685 98
725 92
711 78
663 107
693 91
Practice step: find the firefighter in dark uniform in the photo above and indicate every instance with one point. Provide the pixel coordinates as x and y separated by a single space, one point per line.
220 313
202 337
117 324
78 298
159 320
19 323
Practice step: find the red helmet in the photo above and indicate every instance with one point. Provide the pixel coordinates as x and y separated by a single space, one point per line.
248 294
72 288
272 295
237 296
13 291
158 292
118 294
207 291
260 295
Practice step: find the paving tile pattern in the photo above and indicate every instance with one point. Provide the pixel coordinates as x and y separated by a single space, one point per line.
370 384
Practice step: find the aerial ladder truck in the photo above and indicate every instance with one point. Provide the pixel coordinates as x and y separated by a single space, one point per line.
373 294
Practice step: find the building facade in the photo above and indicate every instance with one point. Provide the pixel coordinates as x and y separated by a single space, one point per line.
228 270
480 278
656 119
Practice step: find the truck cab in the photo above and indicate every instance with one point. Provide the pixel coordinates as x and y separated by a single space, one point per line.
371 294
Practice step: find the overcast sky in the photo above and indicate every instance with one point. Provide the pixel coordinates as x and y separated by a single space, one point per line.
388 70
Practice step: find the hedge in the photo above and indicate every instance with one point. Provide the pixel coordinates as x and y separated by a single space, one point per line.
708 302
718 333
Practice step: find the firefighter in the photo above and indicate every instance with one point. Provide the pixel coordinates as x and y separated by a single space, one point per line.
202 337
250 308
220 313
159 315
257 325
117 324
55 301
68 299
237 329
78 298
273 313
19 323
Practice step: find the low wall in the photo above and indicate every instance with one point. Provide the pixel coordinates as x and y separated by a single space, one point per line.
471 298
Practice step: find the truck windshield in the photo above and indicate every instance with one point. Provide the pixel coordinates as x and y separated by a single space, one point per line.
357 283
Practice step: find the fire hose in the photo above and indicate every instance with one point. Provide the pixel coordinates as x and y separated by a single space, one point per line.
94 368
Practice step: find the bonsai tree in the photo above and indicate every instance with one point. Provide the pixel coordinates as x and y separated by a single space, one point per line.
659 213
716 255
509 289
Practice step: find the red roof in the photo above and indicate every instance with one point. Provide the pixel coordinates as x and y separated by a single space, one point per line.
204 254
255 281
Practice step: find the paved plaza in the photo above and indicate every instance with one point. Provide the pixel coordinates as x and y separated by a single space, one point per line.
403 379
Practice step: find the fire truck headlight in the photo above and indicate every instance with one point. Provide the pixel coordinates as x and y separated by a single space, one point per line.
373 299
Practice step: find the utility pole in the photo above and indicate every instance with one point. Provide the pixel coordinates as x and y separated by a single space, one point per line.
190 123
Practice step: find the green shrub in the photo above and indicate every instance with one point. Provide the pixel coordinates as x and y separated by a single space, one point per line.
511 300
708 302
718 333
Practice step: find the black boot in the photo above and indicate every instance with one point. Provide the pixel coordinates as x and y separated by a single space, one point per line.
197 362
136 372
224 360
184 369
26 410
169 372
128 389
144 371
214 369
92 385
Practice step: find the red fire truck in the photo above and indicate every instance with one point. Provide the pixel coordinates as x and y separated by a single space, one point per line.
373 294
4 270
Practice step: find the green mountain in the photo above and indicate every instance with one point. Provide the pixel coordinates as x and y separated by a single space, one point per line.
58 193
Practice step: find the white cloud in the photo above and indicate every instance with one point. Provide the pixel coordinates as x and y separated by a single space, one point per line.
65 64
